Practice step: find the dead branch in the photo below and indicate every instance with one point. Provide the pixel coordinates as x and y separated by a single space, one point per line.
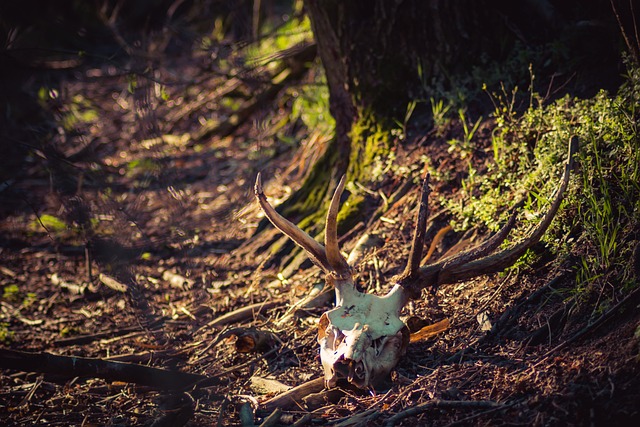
69 366
293 396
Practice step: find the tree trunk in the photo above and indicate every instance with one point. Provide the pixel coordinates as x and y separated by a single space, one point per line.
379 55
375 53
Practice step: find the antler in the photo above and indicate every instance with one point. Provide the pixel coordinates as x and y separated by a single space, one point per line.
362 338
481 259
327 257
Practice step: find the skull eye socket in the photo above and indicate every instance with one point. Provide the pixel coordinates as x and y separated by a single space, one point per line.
338 339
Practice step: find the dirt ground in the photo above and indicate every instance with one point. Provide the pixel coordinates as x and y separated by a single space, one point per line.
170 218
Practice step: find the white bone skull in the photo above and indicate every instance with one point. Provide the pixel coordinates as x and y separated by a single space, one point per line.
362 338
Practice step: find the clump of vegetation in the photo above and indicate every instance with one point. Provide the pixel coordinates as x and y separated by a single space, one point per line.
6 336
601 213
311 106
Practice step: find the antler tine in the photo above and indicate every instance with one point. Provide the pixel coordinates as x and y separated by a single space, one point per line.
334 257
486 247
503 259
314 250
419 231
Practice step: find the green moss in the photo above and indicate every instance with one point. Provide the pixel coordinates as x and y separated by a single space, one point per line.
350 213
601 212
370 148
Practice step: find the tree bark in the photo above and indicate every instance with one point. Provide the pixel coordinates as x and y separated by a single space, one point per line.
380 54
375 52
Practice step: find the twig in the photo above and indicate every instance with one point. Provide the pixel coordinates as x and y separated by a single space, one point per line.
244 313
32 391
112 283
293 396
303 420
443 404
272 419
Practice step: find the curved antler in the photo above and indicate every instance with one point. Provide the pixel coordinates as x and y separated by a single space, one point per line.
417 244
334 257
315 250
480 260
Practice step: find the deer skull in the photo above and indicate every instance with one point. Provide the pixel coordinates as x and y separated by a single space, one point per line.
362 338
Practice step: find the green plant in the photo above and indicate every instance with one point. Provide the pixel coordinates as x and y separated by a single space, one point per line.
11 293
402 131
602 207
439 113
465 145
6 336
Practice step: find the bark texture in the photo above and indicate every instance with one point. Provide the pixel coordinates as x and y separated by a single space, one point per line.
380 54
375 52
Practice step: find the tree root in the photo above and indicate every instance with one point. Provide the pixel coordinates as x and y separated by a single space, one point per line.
69 366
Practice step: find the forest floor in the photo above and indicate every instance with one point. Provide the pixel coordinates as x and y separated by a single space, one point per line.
170 217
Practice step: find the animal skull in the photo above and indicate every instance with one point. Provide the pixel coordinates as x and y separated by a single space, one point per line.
362 338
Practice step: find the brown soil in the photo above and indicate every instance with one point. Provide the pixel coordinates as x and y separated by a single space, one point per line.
179 234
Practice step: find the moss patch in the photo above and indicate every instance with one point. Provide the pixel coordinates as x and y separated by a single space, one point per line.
370 147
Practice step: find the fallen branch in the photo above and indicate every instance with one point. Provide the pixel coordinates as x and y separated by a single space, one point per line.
69 366
294 396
